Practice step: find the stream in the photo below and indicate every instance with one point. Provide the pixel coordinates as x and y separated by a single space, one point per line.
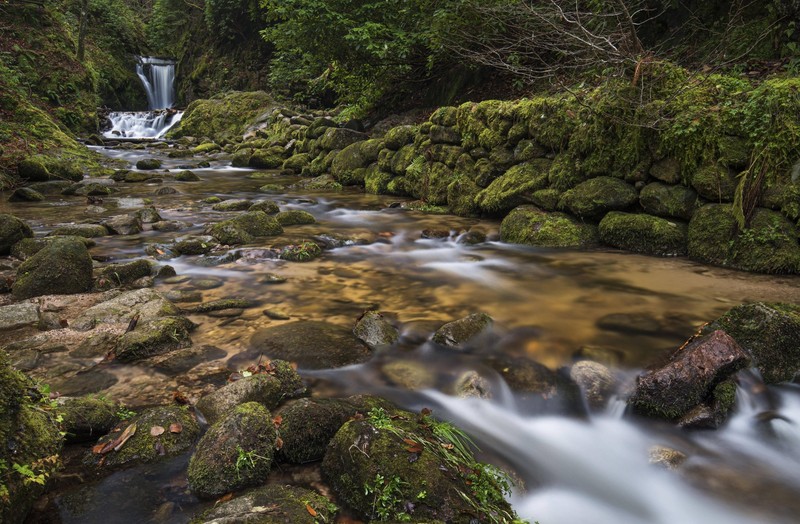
548 305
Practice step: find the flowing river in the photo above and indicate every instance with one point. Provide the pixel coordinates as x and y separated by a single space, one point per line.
416 268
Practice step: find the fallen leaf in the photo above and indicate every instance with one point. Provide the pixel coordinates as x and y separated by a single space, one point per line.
447 446
127 434
293 365
278 443
277 420
156 431
175 427
311 511
98 448
224 498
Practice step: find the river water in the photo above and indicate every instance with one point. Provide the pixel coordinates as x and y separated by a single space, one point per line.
548 305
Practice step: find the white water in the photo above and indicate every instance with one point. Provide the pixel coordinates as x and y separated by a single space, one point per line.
158 78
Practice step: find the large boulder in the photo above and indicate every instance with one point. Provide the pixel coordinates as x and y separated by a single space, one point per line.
353 157
62 267
530 225
248 225
223 116
154 337
120 308
514 187
235 453
594 198
690 378
669 201
12 230
87 418
642 233
337 138
374 330
271 504
308 425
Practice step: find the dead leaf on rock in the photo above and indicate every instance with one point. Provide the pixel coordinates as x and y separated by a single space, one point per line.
311 511
175 427
278 443
156 431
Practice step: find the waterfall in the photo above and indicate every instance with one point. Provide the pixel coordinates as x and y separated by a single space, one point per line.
158 78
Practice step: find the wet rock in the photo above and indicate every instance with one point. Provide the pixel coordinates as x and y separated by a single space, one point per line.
525 375
642 233
277 314
513 188
366 451
471 384
19 315
715 182
148 163
375 331
308 425
689 378
182 360
267 206
670 201
166 191
302 252
268 389
62 267
225 303
26 194
144 447
353 159
295 217
251 223
232 205
95 345
12 230
81 230
769 332
206 283
195 245
148 215
271 505
531 225
52 187
133 177
235 453
338 138
182 295
595 380
83 383
713 412
123 225
666 457
458 333
170 225
147 303
187 176
594 198
154 337
312 344
410 374
87 418
118 275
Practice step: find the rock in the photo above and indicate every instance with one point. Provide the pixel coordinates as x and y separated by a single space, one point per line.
170 225
149 215
225 303
460 332
252 223
366 455
713 412
81 230
12 230
375 331
768 245
530 225
235 453
195 245
19 315
147 303
594 198
336 138
187 176
206 147
297 162
410 374
667 170
143 447
271 504
87 418
280 383
182 360
62 267
399 136
33 169
347 162
308 425
514 187
118 275
715 182
769 332
646 324
689 378
267 206
166 191
133 177
303 252
471 384
154 337
148 163
595 380
666 457
123 224
26 194
642 233
266 159
312 344
525 375
295 217
669 201
232 205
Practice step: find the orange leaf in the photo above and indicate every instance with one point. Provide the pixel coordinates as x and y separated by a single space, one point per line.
122 439
157 430
311 511
410 442
224 498
278 443
175 427
277 420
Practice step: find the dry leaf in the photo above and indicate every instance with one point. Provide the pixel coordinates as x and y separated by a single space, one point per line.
180 398
156 431
224 498
175 427
278 443
277 420
122 439
311 511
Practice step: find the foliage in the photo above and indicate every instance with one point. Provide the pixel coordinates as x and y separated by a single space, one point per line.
233 19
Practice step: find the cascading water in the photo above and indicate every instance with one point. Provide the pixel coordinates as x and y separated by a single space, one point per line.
158 78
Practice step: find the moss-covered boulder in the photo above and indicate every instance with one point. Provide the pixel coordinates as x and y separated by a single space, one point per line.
252 223
353 157
768 245
230 234
265 159
267 206
594 198
242 158
12 230
62 267
271 504
374 330
123 224
338 138
458 333
81 230
312 344
33 169
297 162
514 187
147 442
152 338
530 225
769 332
206 147
29 434
117 275
232 205
642 233
376 182
461 196
399 466
546 199
26 194
87 418
146 164
194 245
187 176
148 304
295 217
669 201
715 182
667 170
277 382
224 116
399 136
308 425
235 453
304 251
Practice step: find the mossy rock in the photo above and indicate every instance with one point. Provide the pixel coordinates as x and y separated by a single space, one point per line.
402 159
399 136
235 453
305 251
513 188
87 418
297 162
444 135
594 198
180 432
374 330
147 303
338 138
26 194
667 170
271 504
460 332
206 147
446 154
321 164
195 245
546 199
715 182
322 183
233 205
147 164
768 245
769 332
253 223
133 177
527 150
224 116
371 455
229 234
445 116
281 382
353 157
12 230
376 182
530 225
154 337
187 176
267 206
33 169
734 151
242 158
265 159
308 425
81 230
564 173
642 233
669 201
62 267
30 435
125 274
223 303
295 217
461 195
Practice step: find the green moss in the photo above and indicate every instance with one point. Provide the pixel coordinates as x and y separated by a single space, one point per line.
187 176
564 173
377 181
224 116
297 162
445 116
513 188
353 157
668 200
147 164
308 425
295 217
156 337
532 226
461 196
272 504
594 198
87 418
62 267
206 147
399 136
715 182
302 252
546 199
124 274
643 233
232 205
12 230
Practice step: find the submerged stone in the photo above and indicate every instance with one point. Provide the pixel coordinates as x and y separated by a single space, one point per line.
460 332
